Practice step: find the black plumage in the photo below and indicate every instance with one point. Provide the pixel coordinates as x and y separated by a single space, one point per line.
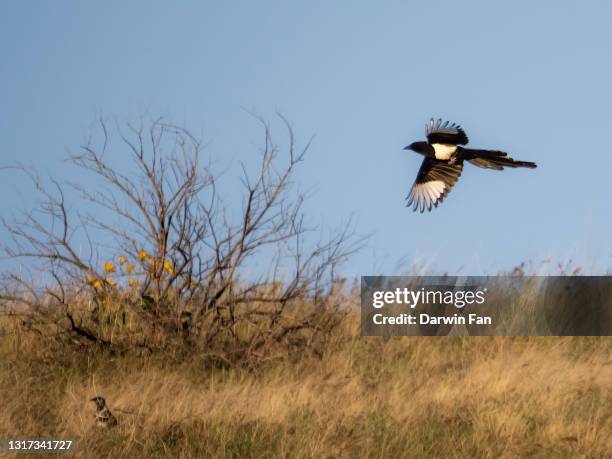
443 163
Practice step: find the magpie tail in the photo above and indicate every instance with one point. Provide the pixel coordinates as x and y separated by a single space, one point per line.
494 159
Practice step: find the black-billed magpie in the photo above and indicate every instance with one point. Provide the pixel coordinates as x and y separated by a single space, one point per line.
443 163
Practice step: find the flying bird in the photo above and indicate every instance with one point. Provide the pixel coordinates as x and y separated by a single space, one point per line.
443 163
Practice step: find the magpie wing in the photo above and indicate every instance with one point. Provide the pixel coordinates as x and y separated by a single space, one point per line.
433 183
438 131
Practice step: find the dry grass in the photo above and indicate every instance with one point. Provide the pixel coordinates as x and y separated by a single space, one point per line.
314 387
367 397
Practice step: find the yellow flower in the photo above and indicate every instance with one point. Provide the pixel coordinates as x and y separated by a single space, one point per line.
121 260
143 255
129 267
90 280
97 284
109 267
168 266
111 282
133 282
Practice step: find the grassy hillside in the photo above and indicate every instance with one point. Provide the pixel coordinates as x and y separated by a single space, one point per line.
366 397
216 326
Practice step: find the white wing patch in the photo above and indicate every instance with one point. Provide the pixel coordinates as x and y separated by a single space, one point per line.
442 127
443 150
425 195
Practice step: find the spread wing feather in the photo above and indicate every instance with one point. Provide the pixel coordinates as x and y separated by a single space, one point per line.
438 131
433 183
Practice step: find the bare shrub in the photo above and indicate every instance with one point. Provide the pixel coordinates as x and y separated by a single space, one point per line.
176 272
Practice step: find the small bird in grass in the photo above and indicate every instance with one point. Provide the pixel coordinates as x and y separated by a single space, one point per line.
443 163
104 418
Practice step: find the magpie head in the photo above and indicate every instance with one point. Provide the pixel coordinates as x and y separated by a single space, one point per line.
419 147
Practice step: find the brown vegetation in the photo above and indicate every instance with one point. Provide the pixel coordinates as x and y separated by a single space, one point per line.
181 268
366 397
199 355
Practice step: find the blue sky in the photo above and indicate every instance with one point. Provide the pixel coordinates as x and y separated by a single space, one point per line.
530 78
